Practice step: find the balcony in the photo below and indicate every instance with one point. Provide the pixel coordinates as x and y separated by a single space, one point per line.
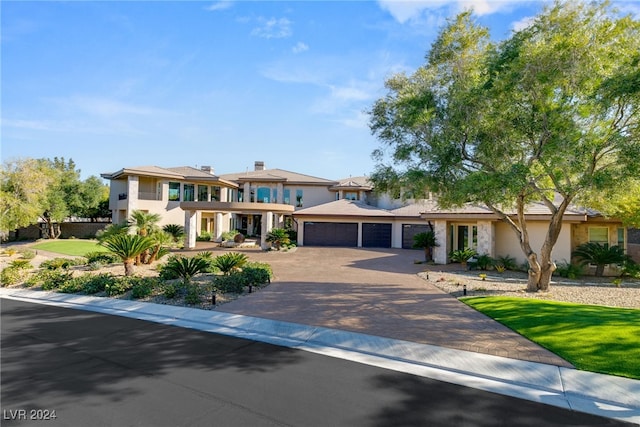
147 196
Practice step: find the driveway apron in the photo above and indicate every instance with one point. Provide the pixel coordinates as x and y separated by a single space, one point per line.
377 292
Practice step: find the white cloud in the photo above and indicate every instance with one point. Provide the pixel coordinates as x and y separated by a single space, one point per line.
220 5
522 23
628 8
104 107
408 10
273 28
299 48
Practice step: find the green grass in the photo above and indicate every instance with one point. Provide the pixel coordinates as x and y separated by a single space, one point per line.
74 247
592 338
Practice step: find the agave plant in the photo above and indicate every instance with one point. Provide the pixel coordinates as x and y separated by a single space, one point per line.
127 247
278 237
229 262
187 267
599 254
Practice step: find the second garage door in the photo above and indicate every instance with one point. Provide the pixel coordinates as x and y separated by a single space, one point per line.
410 230
330 234
376 235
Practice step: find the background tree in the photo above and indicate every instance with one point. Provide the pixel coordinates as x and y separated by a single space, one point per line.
548 115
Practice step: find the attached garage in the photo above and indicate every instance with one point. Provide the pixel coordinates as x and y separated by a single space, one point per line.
376 235
410 230
331 234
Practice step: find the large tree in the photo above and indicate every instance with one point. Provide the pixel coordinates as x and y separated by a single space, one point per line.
548 116
47 190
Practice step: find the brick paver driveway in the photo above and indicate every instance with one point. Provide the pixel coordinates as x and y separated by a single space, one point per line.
377 291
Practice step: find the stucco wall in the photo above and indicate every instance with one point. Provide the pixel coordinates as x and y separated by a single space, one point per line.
507 241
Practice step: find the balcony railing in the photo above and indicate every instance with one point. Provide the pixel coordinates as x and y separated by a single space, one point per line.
147 196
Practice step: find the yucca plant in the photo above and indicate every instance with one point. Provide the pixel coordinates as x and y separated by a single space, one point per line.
229 262
187 267
599 254
127 247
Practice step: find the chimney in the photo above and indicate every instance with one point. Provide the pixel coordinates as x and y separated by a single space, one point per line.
259 166
207 169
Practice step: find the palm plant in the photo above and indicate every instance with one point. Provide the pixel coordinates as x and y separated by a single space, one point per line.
111 230
160 239
127 247
229 262
426 241
599 254
145 222
462 255
278 237
176 231
187 267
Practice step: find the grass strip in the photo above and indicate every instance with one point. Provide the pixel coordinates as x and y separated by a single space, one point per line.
74 247
591 337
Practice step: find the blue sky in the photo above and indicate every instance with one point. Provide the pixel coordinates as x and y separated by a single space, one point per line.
116 84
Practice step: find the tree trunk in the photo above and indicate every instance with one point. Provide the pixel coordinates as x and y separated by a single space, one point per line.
128 267
599 270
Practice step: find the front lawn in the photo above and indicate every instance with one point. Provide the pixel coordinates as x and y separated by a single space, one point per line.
73 247
592 338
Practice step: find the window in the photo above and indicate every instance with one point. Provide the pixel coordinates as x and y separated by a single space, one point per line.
287 196
621 237
463 236
263 194
215 194
299 200
252 195
351 195
174 191
188 191
203 193
599 235
240 195
274 195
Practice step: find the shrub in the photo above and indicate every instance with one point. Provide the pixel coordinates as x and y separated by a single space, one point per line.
193 295
175 230
484 262
97 283
229 235
630 268
204 236
462 255
54 279
119 285
509 263
186 267
568 270
73 285
143 287
230 283
257 273
278 237
96 265
102 258
28 254
10 251
600 255
170 290
59 263
22 264
11 275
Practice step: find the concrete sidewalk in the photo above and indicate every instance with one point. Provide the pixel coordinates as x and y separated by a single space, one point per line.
603 395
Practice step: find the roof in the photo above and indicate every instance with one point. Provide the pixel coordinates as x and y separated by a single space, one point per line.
357 182
416 209
344 207
275 175
471 211
180 172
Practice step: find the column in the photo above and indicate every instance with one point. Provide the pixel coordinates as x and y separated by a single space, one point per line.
486 238
133 188
190 228
267 220
440 253
217 227
359 234
280 188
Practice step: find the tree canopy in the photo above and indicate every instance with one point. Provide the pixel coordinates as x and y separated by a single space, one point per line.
50 191
550 115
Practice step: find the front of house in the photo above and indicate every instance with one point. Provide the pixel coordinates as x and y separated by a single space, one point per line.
324 212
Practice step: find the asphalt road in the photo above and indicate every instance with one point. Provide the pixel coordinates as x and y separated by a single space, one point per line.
99 370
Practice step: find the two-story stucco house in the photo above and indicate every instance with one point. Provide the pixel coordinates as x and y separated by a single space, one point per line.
333 213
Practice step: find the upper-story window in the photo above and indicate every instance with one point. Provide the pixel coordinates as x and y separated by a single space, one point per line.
240 195
188 191
203 193
351 195
264 194
299 199
215 193
174 191
286 196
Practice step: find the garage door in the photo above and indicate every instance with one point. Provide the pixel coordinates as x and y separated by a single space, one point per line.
410 230
376 235
330 234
